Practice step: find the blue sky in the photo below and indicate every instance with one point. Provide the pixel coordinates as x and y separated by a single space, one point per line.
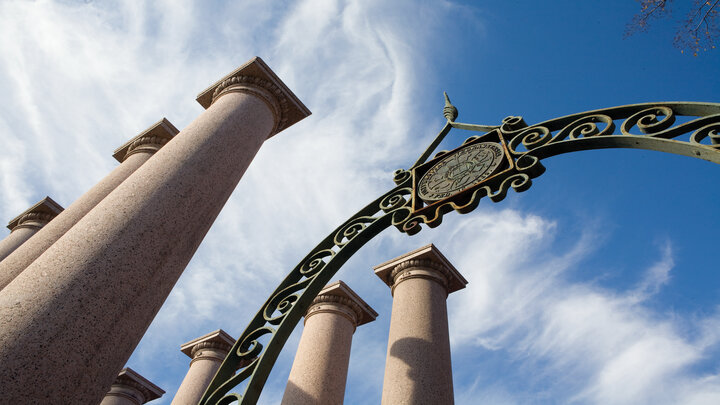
596 286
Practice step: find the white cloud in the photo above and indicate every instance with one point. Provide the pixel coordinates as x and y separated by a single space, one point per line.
581 342
656 276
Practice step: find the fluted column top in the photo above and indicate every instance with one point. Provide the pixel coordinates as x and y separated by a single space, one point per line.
425 262
131 379
36 216
287 108
339 293
152 139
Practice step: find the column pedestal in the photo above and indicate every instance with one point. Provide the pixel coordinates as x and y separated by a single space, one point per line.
114 268
130 388
319 372
418 369
26 225
207 354
131 156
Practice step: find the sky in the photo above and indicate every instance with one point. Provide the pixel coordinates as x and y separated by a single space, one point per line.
598 285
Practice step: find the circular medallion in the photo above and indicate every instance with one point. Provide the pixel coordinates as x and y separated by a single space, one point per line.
460 170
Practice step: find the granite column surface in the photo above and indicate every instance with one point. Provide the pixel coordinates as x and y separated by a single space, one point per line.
130 388
207 353
26 225
418 369
131 156
319 372
114 269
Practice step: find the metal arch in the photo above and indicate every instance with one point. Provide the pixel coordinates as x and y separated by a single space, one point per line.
251 359
254 353
596 129
655 121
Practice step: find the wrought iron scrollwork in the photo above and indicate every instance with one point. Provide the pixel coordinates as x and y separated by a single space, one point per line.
642 126
253 355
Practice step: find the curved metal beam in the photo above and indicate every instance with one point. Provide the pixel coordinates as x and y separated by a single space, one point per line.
253 355
596 129
698 151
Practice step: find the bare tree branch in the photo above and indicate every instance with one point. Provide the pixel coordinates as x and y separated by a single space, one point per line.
707 13
688 35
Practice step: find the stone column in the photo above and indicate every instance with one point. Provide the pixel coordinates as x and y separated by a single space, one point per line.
130 388
418 369
131 156
26 225
113 270
319 372
207 354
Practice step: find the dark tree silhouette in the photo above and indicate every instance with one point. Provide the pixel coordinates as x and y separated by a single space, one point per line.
697 32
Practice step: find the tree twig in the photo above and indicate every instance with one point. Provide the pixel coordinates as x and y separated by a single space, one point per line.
704 19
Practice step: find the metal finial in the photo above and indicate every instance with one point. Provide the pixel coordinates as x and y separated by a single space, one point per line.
450 112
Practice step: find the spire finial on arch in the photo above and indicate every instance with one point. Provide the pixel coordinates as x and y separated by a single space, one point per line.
450 112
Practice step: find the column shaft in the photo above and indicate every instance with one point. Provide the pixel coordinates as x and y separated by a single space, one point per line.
15 263
418 369
114 269
319 372
202 369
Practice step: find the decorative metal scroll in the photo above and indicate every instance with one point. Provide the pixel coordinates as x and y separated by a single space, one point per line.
255 352
502 157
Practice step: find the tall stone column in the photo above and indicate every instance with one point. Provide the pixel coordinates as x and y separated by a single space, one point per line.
418 369
130 388
319 372
114 269
26 225
207 354
131 156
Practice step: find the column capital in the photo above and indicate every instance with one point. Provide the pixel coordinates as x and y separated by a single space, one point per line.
135 387
426 262
339 293
36 216
217 340
257 78
151 139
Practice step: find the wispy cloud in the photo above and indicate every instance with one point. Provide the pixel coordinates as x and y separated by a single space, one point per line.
656 276
580 342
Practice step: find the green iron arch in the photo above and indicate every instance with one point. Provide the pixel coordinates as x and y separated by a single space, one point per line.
517 156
